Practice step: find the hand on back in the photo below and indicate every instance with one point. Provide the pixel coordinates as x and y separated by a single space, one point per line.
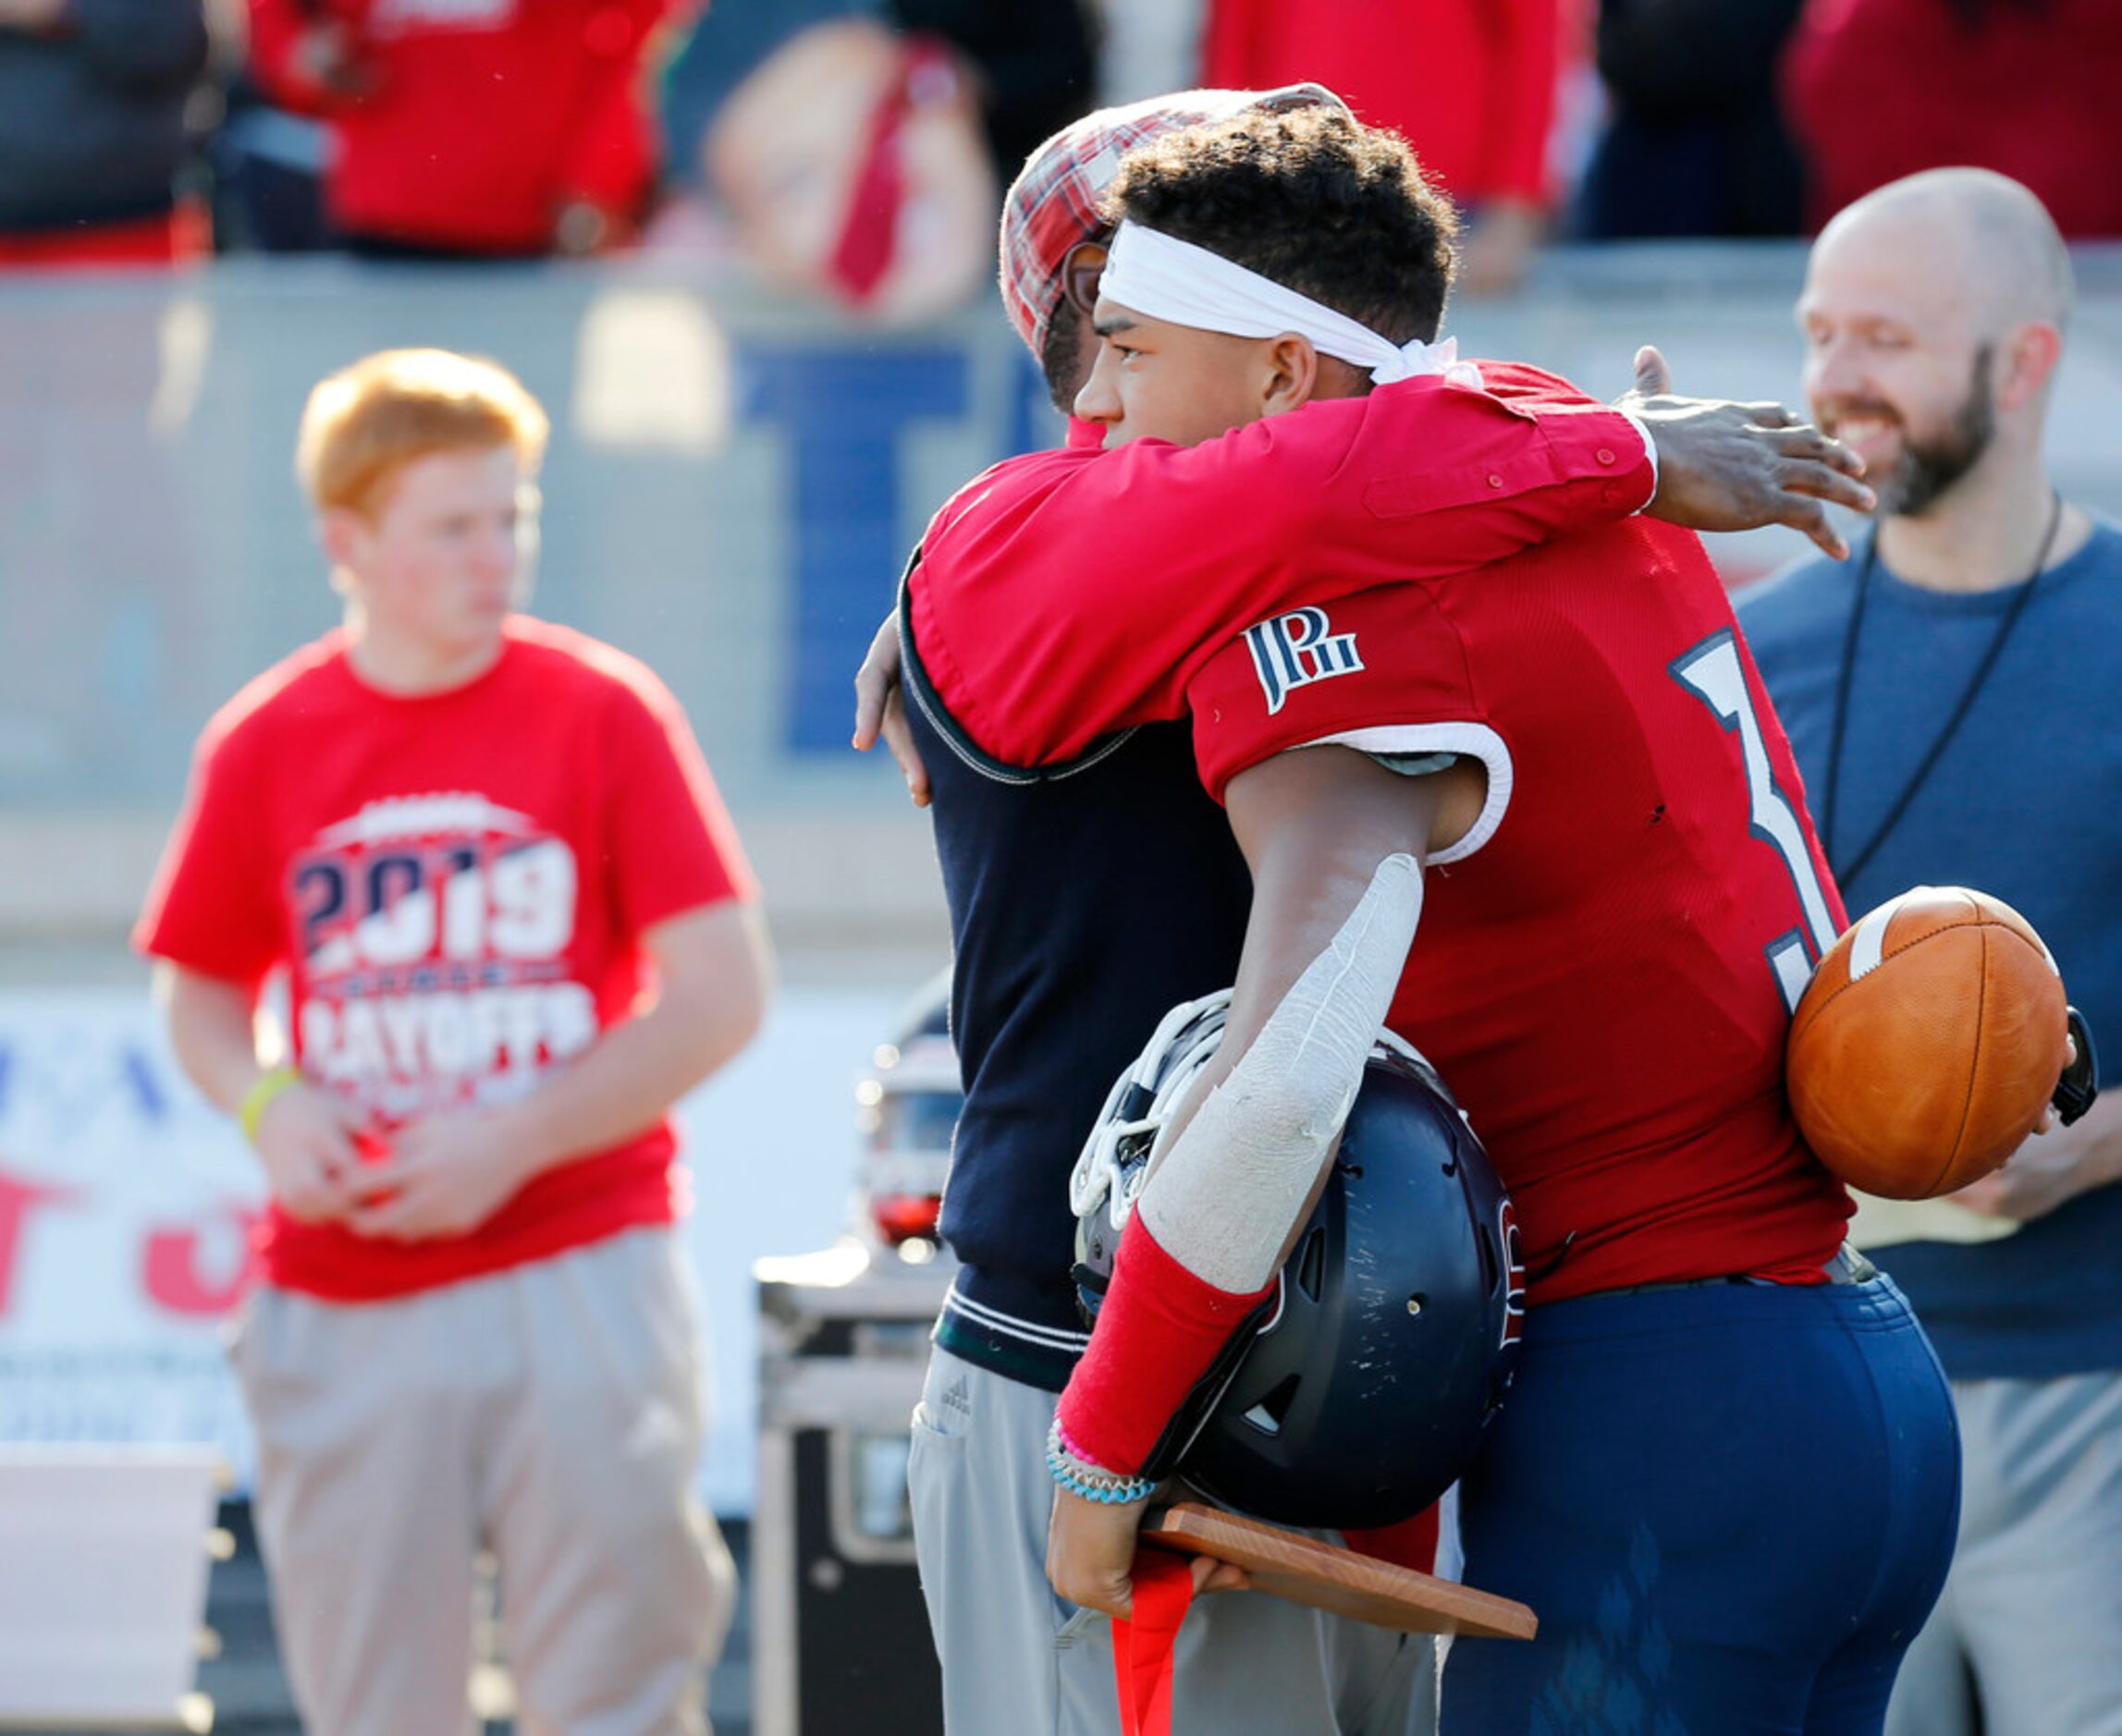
1728 466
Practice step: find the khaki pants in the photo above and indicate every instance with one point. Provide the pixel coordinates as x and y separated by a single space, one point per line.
2027 1640
551 1414
1019 1661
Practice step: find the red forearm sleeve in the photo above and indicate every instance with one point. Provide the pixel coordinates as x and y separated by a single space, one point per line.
1158 1332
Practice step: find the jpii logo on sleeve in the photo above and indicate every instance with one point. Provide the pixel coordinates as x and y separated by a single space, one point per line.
1294 650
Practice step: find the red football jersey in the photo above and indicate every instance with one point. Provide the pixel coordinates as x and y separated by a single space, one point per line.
1065 595
1606 964
456 884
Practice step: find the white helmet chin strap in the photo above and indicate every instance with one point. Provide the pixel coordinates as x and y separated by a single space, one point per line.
1165 278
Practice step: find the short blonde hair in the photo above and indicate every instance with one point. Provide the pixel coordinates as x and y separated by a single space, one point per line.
368 421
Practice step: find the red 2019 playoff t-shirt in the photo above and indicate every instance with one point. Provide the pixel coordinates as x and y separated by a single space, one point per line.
456 884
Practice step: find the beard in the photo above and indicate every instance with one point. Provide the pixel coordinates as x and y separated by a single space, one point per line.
1062 356
1930 466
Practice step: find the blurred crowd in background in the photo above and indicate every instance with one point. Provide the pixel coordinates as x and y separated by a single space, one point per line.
854 149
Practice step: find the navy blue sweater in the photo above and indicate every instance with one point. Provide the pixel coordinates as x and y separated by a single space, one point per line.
1085 902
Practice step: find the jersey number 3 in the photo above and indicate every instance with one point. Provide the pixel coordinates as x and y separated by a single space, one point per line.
1713 673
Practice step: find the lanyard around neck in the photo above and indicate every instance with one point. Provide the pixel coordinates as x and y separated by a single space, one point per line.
1847 873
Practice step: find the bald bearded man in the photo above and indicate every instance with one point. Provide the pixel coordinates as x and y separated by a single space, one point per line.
1949 694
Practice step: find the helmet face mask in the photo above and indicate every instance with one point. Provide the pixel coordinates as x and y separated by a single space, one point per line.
1115 1161
1361 1391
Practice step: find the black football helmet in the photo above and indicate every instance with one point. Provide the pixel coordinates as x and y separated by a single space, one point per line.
1360 1391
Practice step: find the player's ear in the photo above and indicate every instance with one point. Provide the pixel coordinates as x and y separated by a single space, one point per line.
1290 376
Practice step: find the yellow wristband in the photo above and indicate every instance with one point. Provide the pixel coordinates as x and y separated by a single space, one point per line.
267 1086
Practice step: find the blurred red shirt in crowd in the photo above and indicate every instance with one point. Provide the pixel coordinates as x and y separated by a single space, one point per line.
1880 89
1469 84
470 127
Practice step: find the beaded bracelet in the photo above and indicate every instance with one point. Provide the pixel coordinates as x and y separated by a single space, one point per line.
1092 1483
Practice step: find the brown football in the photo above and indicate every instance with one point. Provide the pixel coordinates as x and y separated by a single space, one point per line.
1927 1043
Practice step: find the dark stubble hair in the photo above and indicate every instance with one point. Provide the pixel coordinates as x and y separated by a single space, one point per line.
1062 355
1929 467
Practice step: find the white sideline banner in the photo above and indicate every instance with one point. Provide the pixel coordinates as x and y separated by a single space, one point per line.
126 1201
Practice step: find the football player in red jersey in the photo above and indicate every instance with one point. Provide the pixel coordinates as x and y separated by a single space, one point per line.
1726 1475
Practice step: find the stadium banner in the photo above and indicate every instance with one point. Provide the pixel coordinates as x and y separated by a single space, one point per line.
126 1203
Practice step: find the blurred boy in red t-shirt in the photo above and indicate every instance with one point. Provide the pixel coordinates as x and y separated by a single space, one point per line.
516 927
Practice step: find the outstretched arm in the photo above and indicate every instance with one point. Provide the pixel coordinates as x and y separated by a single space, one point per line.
1074 593
1069 594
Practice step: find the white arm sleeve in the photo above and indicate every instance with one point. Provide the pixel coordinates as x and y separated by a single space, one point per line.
1225 1197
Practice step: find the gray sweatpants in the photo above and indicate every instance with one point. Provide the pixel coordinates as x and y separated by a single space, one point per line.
552 1413
1018 1659
2030 1621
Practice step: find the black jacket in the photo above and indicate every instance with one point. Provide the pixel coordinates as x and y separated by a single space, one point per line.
91 118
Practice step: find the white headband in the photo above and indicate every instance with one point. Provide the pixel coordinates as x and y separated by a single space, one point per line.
1166 278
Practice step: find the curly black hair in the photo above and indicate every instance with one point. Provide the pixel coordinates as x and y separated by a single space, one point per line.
1317 202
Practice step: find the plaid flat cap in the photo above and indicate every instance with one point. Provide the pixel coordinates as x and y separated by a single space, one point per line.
1053 202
